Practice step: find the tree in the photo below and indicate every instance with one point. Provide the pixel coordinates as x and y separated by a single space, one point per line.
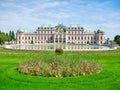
117 39
59 51
12 35
4 37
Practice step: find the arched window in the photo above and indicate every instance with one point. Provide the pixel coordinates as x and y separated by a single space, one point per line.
22 37
51 37
91 38
81 38
75 38
88 38
25 38
68 38
85 38
29 38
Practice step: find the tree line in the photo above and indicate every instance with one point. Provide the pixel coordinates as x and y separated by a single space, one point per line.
6 36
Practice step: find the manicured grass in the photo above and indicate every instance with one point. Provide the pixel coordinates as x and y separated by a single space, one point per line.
107 79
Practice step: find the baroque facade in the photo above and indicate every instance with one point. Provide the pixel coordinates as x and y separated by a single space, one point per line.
60 34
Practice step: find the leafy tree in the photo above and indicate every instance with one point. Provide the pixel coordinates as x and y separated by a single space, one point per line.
117 39
4 37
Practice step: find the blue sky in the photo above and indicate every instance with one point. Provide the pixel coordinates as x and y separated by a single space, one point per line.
90 14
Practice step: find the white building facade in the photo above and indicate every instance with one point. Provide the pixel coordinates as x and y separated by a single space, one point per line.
60 34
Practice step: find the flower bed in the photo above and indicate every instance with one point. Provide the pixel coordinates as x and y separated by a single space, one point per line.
55 68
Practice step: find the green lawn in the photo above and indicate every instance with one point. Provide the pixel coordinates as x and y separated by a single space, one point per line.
11 79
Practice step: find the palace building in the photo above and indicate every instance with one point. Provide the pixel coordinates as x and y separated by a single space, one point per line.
60 34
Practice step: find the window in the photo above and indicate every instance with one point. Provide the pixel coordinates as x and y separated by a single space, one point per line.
75 38
91 38
45 38
72 38
85 38
51 37
68 38
88 38
78 38
19 37
22 37
25 38
94 38
81 38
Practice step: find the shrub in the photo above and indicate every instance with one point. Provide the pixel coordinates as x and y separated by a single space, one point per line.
59 69
59 51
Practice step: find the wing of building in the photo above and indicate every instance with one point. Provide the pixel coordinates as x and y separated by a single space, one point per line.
60 34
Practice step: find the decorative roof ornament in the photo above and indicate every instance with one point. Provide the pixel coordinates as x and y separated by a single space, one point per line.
60 26
70 25
42 25
78 25
49 25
